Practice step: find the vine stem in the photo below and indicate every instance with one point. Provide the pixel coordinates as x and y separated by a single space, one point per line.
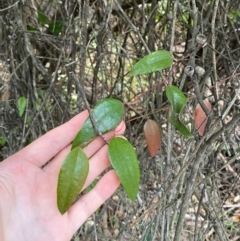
79 82
82 93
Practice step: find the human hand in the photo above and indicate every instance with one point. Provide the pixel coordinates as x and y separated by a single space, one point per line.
28 193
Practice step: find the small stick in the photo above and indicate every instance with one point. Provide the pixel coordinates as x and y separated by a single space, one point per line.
202 104
81 91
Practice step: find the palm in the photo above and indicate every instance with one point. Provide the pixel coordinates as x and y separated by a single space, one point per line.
35 192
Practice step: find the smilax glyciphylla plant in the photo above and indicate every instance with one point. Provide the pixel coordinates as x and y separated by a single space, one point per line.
107 114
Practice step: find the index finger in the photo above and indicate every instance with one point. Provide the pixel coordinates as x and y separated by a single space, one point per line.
47 146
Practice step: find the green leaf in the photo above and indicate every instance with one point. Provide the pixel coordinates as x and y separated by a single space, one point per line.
181 127
32 29
148 235
176 98
56 27
37 106
41 17
2 141
155 61
124 161
107 114
71 178
91 186
22 102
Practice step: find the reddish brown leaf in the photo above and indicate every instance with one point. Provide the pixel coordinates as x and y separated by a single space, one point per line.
200 117
152 134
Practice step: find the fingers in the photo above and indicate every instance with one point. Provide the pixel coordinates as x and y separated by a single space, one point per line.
90 202
99 142
47 146
98 163
99 159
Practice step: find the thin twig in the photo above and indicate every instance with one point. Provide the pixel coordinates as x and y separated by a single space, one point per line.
11 6
82 93
213 215
201 102
199 156
82 58
171 130
237 156
134 28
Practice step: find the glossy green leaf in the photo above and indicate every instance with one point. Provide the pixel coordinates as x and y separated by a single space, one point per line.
124 161
107 114
181 127
155 61
71 178
22 102
176 98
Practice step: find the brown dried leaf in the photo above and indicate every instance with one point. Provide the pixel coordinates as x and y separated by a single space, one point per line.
200 117
236 219
5 96
152 134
